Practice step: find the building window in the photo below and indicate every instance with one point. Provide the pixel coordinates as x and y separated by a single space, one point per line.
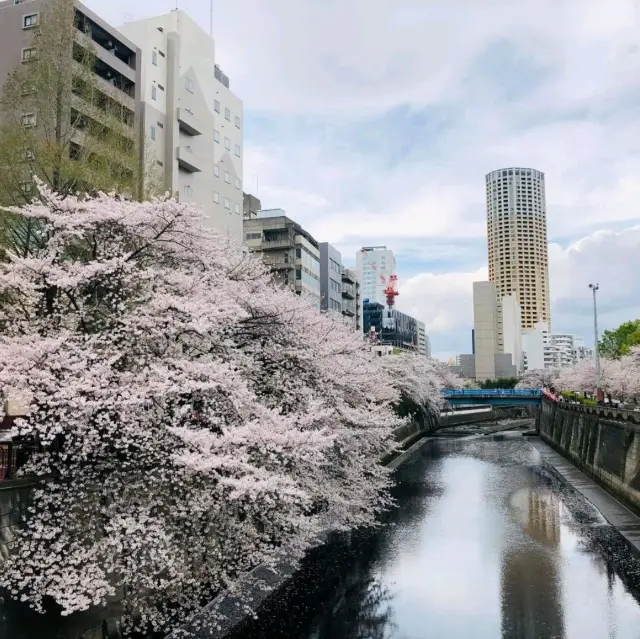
237 150
227 204
188 85
238 183
216 106
237 208
227 144
30 21
154 92
227 177
28 54
237 122
153 133
216 197
216 170
188 191
216 135
227 115
154 58
28 120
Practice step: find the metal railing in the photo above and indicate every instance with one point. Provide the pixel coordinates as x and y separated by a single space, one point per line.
493 392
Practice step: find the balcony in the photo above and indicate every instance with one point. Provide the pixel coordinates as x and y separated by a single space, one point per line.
348 276
348 292
277 243
189 123
278 264
188 160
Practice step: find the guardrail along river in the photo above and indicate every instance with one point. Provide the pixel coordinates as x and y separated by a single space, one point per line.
485 542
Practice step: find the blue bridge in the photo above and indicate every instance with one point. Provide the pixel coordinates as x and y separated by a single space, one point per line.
494 397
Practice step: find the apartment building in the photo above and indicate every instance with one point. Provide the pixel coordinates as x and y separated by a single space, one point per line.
292 254
330 278
115 78
352 297
192 121
517 237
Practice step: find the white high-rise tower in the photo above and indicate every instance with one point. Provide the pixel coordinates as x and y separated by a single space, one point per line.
375 265
517 235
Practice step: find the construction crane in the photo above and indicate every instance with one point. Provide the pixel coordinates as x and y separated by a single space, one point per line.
392 290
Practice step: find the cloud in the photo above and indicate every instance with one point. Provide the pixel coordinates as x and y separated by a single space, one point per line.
373 122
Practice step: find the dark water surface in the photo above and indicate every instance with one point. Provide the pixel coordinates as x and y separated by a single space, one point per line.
485 543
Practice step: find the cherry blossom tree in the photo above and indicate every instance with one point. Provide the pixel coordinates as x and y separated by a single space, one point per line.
193 419
539 378
419 383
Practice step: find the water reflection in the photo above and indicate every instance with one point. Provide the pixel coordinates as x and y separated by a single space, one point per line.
481 545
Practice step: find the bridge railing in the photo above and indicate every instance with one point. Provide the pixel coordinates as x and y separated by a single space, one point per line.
494 392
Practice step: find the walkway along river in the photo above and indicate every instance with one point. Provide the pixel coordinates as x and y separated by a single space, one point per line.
486 542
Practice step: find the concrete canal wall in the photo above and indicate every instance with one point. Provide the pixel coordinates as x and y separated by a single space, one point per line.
603 442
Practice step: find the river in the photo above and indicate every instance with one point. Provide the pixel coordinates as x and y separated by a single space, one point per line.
485 542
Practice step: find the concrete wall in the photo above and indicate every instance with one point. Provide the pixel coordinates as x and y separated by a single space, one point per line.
604 443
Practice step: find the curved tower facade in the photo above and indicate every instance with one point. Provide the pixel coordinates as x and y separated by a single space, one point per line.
517 234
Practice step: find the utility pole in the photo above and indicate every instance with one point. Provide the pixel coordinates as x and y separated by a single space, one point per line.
599 394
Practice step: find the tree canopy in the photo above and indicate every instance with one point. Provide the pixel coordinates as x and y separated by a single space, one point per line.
196 420
618 342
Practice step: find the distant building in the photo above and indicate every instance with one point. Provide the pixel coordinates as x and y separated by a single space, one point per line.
544 349
352 297
517 238
489 359
289 250
330 278
375 264
391 327
422 340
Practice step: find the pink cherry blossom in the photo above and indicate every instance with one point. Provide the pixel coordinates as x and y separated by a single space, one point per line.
195 419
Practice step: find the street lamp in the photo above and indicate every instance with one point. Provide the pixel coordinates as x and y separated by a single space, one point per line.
595 288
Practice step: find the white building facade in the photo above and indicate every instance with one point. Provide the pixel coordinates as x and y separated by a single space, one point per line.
375 265
192 123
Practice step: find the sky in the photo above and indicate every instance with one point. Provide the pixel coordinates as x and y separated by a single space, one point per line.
374 122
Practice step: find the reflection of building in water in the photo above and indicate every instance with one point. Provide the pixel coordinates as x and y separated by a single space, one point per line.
531 588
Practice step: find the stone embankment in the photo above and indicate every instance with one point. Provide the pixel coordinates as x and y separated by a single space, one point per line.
603 442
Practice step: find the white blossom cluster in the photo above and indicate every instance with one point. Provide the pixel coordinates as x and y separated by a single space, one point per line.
193 419
619 378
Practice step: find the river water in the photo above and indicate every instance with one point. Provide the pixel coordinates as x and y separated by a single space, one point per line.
485 542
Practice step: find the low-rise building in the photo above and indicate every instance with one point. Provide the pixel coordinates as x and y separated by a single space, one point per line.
390 326
291 252
422 339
